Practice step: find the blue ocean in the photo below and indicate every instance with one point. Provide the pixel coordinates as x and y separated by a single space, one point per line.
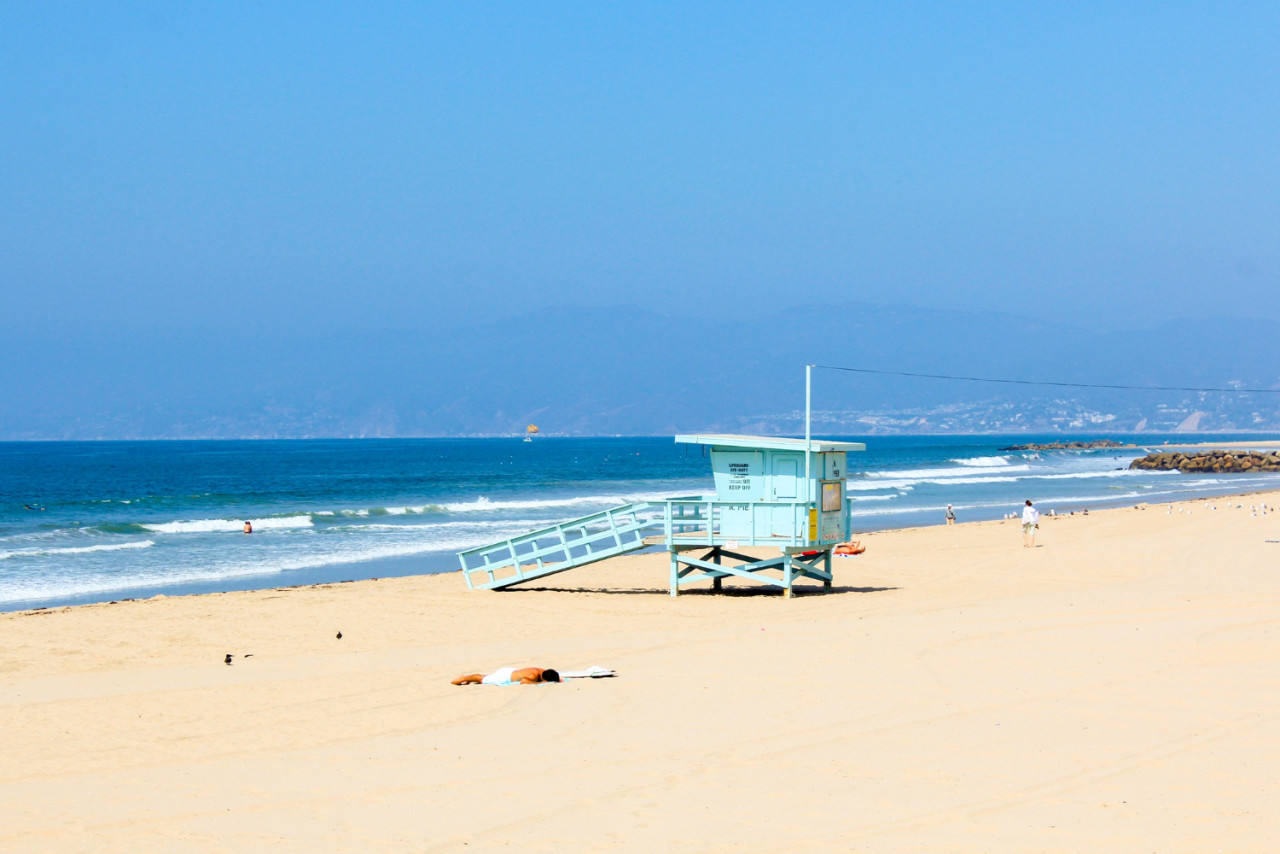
94 521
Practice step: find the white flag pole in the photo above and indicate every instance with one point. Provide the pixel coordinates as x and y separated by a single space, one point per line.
808 430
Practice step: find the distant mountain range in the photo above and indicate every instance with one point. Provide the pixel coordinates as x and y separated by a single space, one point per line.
633 371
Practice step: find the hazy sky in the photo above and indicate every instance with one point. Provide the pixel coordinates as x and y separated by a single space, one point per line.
207 166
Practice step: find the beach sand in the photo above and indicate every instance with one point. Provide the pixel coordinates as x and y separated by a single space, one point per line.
1115 689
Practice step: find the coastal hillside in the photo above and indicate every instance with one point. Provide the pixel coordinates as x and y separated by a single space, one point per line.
634 371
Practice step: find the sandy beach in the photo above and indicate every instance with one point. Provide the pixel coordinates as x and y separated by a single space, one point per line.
1116 688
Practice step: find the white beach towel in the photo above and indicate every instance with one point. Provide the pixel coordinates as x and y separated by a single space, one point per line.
595 671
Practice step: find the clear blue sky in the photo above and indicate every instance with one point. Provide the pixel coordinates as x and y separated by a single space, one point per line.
201 166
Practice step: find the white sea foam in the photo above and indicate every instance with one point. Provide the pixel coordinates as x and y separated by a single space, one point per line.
37 587
476 525
483 504
905 479
982 461
364 512
952 481
206 526
906 485
858 485
965 470
416 538
77 550
1092 474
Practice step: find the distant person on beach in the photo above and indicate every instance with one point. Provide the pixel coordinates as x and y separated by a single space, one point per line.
511 676
951 515
1030 522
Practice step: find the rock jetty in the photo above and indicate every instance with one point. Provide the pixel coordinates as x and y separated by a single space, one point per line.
1209 461
1066 446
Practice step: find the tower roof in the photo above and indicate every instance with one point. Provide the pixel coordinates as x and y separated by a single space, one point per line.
775 443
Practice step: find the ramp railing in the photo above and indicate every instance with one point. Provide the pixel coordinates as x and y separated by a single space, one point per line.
557 548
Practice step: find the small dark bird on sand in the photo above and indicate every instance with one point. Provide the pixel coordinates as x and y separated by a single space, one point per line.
339 635
227 660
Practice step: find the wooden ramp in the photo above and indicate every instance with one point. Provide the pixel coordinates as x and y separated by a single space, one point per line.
559 548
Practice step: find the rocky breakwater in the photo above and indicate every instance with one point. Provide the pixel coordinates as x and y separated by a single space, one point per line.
1210 461
1067 446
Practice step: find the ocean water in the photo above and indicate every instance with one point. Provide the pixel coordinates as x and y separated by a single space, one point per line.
93 521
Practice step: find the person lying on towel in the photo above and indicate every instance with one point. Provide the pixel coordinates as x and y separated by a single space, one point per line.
511 676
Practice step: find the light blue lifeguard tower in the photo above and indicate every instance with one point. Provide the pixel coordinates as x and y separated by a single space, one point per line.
771 492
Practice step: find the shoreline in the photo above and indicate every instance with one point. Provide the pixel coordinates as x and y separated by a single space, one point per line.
337 573
954 691
406 566
177 547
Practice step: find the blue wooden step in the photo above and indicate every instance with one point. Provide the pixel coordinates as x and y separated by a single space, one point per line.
557 548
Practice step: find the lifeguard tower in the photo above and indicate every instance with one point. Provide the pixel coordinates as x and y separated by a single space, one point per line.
781 493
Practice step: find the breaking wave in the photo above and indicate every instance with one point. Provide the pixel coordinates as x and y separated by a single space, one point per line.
206 526
77 550
982 461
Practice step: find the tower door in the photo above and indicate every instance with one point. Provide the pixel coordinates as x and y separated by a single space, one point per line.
786 474
786 477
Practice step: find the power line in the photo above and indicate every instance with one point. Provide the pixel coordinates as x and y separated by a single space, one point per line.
1047 383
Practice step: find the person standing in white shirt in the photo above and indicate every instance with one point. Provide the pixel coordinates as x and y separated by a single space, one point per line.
1030 523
